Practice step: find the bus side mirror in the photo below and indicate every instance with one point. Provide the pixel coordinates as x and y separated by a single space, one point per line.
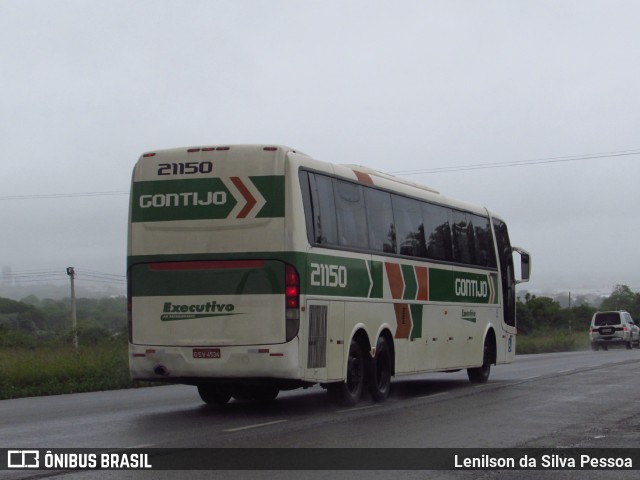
525 264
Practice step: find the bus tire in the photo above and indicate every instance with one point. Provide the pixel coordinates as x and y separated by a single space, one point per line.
214 395
380 371
348 393
481 374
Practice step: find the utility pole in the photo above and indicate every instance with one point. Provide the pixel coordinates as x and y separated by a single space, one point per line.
74 321
570 316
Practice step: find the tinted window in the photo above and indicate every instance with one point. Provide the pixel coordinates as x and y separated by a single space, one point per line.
344 213
482 241
324 209
462 237
437 231
407 214
382 235
351 213
507 273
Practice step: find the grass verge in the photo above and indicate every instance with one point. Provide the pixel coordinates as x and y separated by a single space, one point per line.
549 342
56 369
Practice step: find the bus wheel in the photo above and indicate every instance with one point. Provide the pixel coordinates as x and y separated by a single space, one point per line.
349 392
481 374
214 395
380 379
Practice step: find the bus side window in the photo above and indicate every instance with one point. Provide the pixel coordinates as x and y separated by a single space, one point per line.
324 209
382 234
352 219
409 227
306 204
507 273
462 238
483 242
437 231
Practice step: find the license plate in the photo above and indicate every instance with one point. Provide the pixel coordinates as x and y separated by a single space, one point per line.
206 353
606 331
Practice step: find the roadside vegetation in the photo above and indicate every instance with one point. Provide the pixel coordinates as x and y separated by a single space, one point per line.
37 356
545 326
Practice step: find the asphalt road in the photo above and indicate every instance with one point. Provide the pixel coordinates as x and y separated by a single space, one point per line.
579 399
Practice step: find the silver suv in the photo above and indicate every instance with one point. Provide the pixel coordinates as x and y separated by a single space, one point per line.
613 328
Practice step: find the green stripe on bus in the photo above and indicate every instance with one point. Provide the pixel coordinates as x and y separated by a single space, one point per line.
416 317
460 287
193 199
410 283
205 199
320 275
148 282
272 189
375 268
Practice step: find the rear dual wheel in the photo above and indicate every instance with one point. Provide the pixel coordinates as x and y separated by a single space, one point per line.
362 370
214 395
348 393
380 373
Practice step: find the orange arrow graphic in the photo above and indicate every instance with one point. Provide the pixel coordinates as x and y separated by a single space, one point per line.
251 201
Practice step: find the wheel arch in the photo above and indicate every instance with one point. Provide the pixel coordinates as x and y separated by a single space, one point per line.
361 336
490 336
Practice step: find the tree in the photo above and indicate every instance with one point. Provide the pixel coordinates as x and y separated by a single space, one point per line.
622 298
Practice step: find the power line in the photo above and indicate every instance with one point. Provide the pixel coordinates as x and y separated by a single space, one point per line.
123 277
33 276
538 161
456 168
102 279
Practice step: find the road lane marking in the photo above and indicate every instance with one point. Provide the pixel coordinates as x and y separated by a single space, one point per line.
530 378
356 409
257 425
435 395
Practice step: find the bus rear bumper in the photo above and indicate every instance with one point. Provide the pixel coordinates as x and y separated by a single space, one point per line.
171 364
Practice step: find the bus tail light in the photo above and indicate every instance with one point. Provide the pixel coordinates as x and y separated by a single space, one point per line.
291 301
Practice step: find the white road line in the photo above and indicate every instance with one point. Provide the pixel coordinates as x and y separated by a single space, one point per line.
257 425
530 378
435 395
356 409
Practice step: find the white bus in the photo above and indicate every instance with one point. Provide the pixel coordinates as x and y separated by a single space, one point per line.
254 269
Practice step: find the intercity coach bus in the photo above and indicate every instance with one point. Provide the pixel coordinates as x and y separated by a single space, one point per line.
255 269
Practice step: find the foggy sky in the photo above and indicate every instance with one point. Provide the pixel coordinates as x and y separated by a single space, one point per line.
87 86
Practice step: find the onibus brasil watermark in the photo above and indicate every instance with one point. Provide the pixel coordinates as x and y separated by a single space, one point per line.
35 459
